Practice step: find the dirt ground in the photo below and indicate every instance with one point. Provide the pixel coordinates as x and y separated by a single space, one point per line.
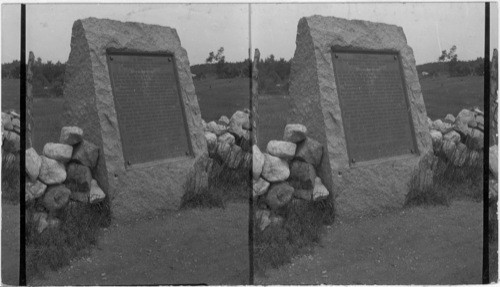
193 246
10 243
421 245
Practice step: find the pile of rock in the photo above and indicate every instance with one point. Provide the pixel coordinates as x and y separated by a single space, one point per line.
11 129
62 174
228 140
459 139
286 172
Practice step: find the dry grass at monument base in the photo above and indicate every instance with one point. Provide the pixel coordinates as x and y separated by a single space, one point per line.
446 182
304 223
77 233
10 178
224 185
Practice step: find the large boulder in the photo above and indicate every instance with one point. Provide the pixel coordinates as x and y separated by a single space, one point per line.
279 195
452 136
33 163
493 160
34 189
228 138
449 119
262 218
51 171
71 135
96 194
260 187
319 192
215 128
295 133
7 122
282 149
257 162
437 139
310 151
440 126
56 197
211 141
223 120
58 151
476 139
275 169
303 173
239 124
462 128
11 142
86 153
467 117
78 178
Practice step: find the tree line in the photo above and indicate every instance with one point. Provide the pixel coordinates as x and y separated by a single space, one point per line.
274 74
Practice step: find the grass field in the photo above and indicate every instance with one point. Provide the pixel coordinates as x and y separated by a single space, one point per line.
10 94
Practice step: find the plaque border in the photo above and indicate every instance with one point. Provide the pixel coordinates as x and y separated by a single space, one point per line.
414 150
129 52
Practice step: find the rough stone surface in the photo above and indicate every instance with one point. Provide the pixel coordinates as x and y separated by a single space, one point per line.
305 194
295 133
282 149
449 119
215 128
227 137
279 194
71 135
452 136
12 142
35 189
441 126
476 139
56 197
275 169
467 117
304 173
86 153
78 178
7 122
319 192
223 120
493 160
33 163
211 141
41 221
437 139
51 171
257 162
315 104
262 216
96 194
57 151
310 151
463 129
260 187
149 188
240 119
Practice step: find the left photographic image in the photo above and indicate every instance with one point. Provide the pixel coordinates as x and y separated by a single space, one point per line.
138 149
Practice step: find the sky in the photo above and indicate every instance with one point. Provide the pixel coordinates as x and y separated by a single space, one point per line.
429 27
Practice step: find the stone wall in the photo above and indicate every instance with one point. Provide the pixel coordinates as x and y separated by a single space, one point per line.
11 129
63 175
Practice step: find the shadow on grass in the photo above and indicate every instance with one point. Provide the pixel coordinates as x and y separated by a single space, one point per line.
302 227
437 180
224 185
78 231
10 177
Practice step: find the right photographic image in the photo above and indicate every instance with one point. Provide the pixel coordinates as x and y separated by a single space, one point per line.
374 123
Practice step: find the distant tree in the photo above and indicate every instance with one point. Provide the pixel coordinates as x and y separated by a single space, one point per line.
220 59
451 58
